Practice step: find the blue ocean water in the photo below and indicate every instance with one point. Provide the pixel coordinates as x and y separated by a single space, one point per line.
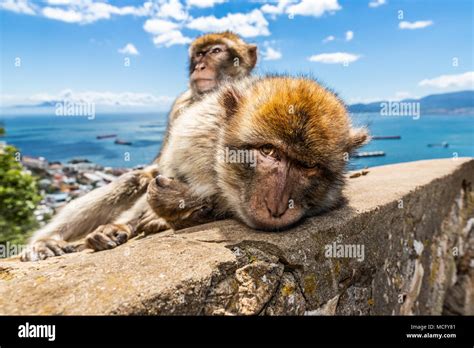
63 138
416 134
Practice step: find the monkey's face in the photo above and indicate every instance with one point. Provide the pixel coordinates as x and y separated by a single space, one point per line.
215 58
277 190
298 137
207 66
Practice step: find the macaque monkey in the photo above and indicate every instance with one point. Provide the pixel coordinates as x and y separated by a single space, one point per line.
289 138
268 151
214 59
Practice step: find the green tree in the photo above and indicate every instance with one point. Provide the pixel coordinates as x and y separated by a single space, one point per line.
18 198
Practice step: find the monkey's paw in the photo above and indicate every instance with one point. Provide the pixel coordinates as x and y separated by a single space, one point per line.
136 182
108 237
42 249
173 201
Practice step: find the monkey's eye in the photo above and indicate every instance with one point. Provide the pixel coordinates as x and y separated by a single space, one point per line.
311 165
200 54
268 150
216 50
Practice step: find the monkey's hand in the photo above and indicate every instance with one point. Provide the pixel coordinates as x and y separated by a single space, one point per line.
173 201
150 223
136 181
44 248
108 236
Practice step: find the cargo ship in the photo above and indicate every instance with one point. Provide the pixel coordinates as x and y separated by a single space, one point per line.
369 154
122 142
105 136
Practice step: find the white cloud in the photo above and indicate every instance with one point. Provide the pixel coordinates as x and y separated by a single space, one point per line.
246 24
278 9
204 3
86 11
60 2
18 6
329 39
98 98
69 16
414 25
165 33
400 95
159 26
271 54
174 37
349 35
173 9
334 58
465 80
377 3
315 8
129 49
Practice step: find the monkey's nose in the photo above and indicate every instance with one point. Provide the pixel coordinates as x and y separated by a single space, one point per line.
276 209
200 66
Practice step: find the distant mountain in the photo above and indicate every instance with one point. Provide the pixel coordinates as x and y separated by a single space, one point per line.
451 103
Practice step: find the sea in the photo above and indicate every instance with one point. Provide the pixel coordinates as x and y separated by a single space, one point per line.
65 138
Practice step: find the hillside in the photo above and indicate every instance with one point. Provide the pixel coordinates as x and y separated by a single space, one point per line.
452 103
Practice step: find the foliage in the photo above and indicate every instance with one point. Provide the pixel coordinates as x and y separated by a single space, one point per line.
18 198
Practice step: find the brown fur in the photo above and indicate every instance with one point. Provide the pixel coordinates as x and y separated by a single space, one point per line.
123 203
246 53
301 120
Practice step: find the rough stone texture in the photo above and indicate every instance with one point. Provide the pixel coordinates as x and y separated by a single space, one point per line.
414 220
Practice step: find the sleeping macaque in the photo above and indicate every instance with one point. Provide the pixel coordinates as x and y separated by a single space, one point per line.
214 59
267 151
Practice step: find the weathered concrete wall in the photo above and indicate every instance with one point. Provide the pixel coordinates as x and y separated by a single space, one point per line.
414 221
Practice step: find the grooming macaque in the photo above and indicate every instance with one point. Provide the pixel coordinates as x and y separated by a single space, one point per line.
214 59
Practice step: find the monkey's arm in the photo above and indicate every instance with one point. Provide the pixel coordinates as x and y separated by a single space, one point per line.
168 204
86 213
140 218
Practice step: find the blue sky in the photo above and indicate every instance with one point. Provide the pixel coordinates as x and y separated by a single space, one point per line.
365 50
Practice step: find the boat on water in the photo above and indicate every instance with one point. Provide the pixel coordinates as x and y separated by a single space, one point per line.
122 142
369 154
443 144
105 136
387 137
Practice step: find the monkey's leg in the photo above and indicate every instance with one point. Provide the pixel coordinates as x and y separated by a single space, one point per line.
137 220
85 214
173 201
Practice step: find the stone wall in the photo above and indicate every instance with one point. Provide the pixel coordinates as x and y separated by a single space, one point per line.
407 236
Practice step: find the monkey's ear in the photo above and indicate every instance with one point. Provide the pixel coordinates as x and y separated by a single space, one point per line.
252 52
357 138
230 100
